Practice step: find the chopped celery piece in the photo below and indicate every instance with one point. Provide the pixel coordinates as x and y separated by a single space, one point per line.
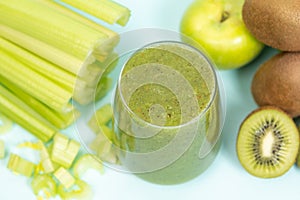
86 162
5 124
60 120
101 117
81 191
34 83
2 149
106 10
103 87
44 183
104 149
46 165
64 177
21 166
107 153
46 161
64 150
32 18
21 113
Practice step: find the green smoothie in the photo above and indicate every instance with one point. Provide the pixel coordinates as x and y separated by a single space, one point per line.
167 113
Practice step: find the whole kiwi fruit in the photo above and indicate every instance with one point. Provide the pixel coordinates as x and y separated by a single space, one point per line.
277 83
274 23
268 142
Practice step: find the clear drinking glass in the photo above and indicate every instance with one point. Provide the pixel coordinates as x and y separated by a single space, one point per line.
168 113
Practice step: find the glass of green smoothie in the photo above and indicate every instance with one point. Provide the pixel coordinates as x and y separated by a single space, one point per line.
168 113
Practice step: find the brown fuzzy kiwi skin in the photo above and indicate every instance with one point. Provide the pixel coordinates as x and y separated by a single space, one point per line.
277 83
274 23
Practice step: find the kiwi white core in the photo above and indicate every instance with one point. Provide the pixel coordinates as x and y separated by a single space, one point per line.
268 142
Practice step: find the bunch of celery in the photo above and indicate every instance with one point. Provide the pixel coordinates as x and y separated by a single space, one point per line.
49 56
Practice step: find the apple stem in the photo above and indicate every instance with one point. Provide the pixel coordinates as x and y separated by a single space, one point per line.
225 15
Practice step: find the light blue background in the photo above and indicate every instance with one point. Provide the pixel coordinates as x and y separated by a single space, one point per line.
225 179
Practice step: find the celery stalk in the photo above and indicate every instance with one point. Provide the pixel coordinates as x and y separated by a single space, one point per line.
51 71
60 120
108 11
33 83
2 149
21 113
48 25
63 59
21 166
80 18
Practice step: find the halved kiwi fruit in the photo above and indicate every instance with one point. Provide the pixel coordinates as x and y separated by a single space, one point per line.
268 142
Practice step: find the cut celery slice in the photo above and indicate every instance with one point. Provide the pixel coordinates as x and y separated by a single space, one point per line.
44 183
104 149
101 117
103 87
21 166
64 177
83 191
64 150
46 162
86 162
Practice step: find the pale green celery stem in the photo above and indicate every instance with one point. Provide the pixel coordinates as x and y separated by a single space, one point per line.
48 52
109 11
60 120
65 61
40 65
19 112
32 18
80 18
33 83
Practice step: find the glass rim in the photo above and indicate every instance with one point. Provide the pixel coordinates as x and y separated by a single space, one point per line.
193 120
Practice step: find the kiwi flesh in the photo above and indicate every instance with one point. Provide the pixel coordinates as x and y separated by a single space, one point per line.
268 142
274 23
277 83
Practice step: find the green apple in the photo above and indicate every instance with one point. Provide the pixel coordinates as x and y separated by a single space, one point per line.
217 26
